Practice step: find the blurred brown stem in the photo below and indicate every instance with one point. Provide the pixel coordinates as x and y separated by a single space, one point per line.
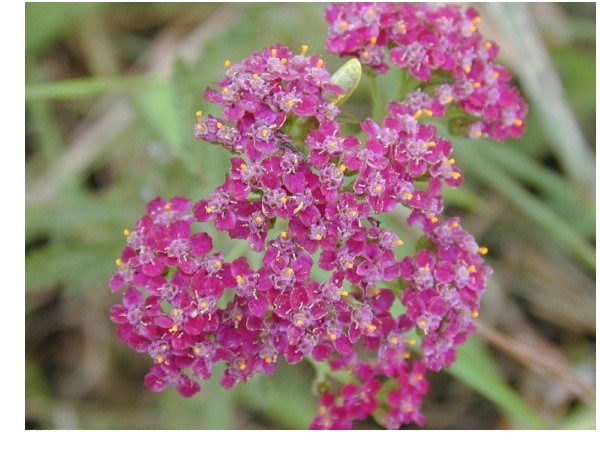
547 362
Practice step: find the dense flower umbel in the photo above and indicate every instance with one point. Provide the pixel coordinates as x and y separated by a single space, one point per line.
441 46
305 194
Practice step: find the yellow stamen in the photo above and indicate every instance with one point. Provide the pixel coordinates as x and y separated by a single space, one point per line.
426 268
448 98
488 45
242 365
454 225
320 63
342 168
174 328
264 132
219 125
408 196
366 55
496 74
467 68
353 213
378 188
450 161
455 175
203 304
331 144
402 26
332 336
370 13
370 327
473 29
273 52
394 340
479 133
176 312
160 359
168 207
422 323
243 166
472 268
303 50
259 219
119 263
344 24
373 40
398 242
209 209
238 317
349 265
483 250
298 208
197 350
406 354
227 64
518 122
434 219
217 264
476 84
239 279
282 200
289 103
126 233
283 60
410 341
284 234
198 114
289 271
199 127
476 20
344 293
225 90
428 112
268 359
255 76
474 314
299 322
407 408
318 237
431 144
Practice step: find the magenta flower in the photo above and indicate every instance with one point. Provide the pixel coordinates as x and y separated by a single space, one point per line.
302 189
428 38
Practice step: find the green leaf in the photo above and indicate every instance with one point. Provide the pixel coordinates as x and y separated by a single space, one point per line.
76 88
347 77
46 23
283 398
564 199
477 369
75 266
548 220
543 87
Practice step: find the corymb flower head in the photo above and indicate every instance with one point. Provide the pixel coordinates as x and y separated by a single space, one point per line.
305 193
427 40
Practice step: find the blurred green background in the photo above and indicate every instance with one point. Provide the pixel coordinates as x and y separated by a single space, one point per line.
111 91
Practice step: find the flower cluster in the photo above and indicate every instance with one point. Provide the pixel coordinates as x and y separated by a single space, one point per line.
332 287
441 46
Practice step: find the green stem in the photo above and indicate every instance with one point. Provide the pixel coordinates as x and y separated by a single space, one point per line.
378 107
322 371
